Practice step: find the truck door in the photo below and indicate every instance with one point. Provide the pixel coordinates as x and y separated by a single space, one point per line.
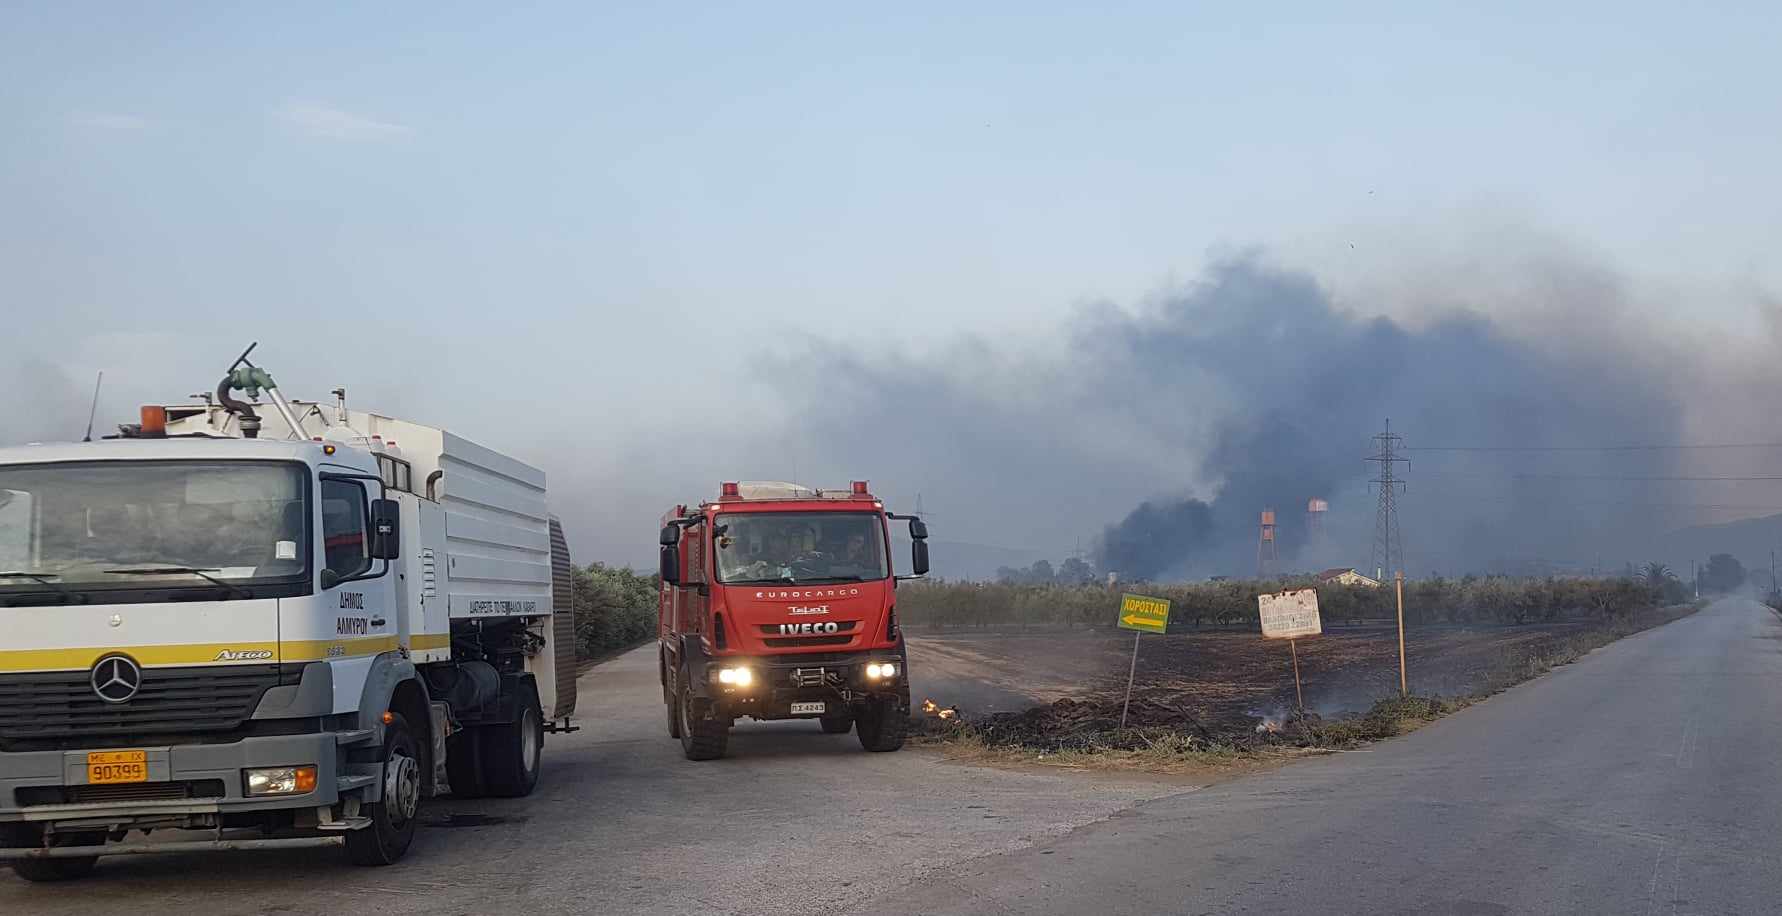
355 617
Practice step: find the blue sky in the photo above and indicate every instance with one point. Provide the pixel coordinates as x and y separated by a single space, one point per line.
552 197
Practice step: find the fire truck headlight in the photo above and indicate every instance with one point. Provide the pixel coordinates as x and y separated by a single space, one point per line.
877 671
736 677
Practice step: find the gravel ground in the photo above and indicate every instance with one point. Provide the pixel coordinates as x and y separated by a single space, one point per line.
794 821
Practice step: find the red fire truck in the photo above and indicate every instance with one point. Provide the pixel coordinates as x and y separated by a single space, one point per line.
779 602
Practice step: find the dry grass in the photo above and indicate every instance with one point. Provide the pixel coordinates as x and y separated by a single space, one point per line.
1177 756
1207 757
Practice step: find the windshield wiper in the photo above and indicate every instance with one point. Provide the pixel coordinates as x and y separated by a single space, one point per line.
202 573
48 579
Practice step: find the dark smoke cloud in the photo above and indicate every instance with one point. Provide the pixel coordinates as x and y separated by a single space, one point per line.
1251 389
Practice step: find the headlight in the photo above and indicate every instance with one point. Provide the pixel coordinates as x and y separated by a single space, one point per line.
736 677
281 781
877 671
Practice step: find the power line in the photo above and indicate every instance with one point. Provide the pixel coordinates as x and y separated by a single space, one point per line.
1591 448
1731 507
1621 477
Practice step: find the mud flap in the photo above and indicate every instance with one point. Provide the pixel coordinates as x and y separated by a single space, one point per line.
441 718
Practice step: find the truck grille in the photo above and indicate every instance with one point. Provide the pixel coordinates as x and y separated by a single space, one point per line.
793 642
172 701
134 792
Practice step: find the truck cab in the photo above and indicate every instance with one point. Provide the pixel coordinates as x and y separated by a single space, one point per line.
300 637
779 601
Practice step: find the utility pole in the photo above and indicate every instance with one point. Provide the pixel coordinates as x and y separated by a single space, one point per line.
1265 546
1389 552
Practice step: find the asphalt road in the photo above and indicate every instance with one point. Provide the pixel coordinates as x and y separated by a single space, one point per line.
1641 780
792 822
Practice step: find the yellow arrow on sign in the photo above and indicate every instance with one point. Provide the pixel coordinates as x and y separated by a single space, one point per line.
1143 613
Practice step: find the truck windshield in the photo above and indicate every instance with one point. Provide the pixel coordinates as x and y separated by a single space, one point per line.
799 547
122 524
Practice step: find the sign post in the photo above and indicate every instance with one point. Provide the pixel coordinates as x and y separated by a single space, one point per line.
1299 695
1141 615
1404 689
1290 615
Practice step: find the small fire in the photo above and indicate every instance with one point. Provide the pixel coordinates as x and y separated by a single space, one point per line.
1271 725
934 709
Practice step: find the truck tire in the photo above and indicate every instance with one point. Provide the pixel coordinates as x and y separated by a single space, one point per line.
393 819
30 836
464 764
701 738
511 752
881 726
837 725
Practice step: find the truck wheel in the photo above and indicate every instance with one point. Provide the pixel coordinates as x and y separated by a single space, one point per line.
836 725
30 836
881 726
701 738
464 764
393 820
511 752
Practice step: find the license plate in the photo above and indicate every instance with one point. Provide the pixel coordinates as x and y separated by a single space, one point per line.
801 709
108 767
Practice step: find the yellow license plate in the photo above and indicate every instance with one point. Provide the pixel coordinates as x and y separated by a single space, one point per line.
107 767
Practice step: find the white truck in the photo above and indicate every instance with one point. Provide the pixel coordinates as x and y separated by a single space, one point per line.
284 625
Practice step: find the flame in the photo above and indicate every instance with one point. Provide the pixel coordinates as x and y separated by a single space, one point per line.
934 709
1271 725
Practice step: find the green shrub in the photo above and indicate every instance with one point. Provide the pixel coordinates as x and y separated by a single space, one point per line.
615 608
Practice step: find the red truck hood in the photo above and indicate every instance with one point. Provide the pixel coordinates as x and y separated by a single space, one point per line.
776 619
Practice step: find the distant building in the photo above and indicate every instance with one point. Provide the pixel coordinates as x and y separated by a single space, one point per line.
1346 577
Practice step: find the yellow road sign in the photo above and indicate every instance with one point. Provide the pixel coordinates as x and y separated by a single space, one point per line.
1147 615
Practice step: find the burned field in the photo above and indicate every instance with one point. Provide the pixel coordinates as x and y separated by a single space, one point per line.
1231 689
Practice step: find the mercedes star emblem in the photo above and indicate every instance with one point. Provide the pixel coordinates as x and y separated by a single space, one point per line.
116 679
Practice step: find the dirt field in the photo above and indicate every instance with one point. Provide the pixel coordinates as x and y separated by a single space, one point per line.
1222 681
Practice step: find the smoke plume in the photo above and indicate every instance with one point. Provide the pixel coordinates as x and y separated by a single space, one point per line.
1160 433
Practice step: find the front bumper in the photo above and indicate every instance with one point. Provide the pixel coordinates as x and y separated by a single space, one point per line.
838 681
193 785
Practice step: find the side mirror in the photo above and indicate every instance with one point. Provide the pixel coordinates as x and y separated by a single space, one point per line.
386 529
671 535
918 529
919 557
671 564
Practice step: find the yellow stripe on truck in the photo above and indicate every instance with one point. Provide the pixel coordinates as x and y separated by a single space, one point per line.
147 656
317 650
248 653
